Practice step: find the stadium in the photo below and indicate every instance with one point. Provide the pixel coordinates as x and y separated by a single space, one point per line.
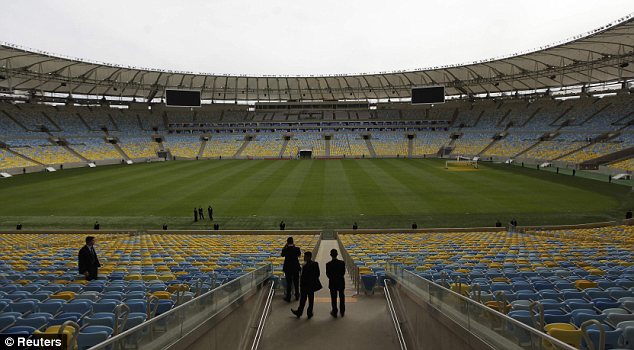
485 205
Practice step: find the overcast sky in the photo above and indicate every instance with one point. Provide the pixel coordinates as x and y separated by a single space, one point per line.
266 37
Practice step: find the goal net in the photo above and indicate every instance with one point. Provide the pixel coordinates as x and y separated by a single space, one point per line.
461 164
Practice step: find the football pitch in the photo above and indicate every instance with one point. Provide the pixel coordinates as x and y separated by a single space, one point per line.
319 194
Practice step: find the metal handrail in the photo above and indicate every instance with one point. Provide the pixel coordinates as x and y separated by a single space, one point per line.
264 317
171 312
477 305
395 320
353 269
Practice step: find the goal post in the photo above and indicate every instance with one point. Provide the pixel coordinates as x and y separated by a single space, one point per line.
461 164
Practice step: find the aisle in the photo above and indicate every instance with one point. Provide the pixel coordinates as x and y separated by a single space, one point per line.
367 324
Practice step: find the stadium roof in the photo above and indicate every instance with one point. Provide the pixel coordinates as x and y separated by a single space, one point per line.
602 55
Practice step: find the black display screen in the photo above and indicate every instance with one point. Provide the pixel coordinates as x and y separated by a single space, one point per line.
182 98
434 94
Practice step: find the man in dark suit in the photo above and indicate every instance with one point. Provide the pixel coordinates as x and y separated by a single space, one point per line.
210 211
335 270
195 215
628 214
200 214
291 268
88 262
309 284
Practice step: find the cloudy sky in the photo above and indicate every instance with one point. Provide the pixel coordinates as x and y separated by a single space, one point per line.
293 37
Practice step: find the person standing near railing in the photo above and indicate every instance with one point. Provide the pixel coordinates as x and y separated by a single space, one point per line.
291 268
335 270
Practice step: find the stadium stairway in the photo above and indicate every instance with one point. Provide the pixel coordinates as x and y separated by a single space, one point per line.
493 142
608 158
600 138
75 153
283 150
367 323
370 148
244 145
410 147
25 157
120 150
15 120
203 144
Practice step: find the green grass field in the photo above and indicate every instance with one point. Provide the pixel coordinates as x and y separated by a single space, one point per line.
257 194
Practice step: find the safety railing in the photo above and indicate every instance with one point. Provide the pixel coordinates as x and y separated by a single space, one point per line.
353 269
395 320
491 326
167 328
264 317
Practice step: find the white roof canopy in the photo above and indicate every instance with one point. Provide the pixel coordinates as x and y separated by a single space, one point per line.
603 55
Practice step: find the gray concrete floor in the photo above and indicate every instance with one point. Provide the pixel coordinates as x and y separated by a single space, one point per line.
367 324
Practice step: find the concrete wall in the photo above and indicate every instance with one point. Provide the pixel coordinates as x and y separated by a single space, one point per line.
424 327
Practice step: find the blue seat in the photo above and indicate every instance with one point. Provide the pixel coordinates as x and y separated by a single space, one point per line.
23 306
573 295
83 307
18 295
556 318
612 336
139 306
104 306
579 318
92 335
35 322
113 295
164 306
6 321
41 295
550 294
594 294
136 288
602 304
368 281
51 306
100 319
39 314
68 316
135 295
21 330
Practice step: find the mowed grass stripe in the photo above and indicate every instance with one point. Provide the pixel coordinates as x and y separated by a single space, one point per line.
78 194
368 190
408 200
219 188
339 198
180 190
148 193
252 196
282 192
309 200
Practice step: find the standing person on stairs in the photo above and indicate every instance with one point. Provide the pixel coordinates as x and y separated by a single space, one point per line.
291 268
309 284
335 270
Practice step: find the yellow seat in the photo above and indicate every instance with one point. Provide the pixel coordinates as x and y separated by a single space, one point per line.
499 306
133 277
584 284
63 295
178 287
461 288
565 332
162 295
